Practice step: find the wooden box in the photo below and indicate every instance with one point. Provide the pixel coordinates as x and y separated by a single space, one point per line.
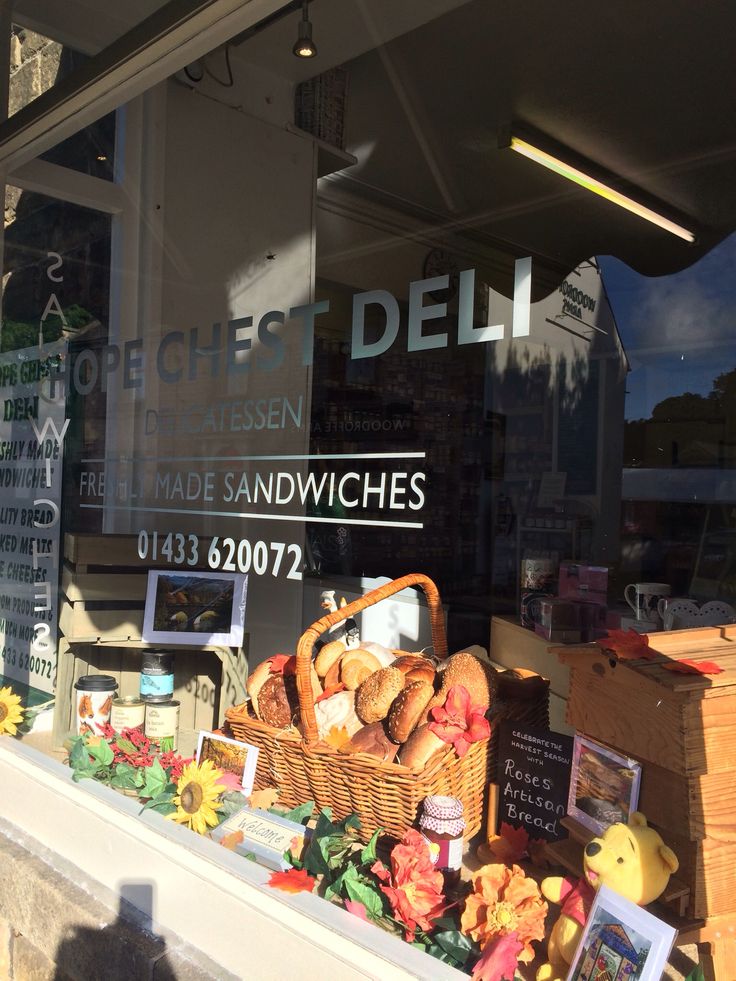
682 728
104 585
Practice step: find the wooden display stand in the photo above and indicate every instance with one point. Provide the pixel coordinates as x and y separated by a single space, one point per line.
101 620
681 727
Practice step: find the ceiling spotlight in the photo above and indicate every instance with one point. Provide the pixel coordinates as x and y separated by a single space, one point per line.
590 183
305 46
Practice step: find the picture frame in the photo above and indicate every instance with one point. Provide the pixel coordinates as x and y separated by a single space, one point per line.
604 785
196 608
231 756
621 940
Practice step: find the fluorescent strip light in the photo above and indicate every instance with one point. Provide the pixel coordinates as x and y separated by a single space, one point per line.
597 187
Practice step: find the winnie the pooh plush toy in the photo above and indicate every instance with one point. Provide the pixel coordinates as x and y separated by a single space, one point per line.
629 858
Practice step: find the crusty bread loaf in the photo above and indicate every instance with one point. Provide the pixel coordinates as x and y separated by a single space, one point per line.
407 709
278 702
327 656
255 681
372 739
478 676
420 747
376 694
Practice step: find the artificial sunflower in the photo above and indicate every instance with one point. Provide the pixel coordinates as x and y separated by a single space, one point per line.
196 798
11 714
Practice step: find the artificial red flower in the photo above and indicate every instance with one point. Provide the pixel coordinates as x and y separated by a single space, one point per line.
293 880
504 901
499 959
413 885
458 722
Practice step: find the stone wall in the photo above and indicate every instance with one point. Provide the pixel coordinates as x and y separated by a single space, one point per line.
58 925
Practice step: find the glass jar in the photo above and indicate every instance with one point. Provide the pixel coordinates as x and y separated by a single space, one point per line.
442 825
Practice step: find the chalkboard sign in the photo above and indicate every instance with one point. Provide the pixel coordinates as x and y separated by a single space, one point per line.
533 779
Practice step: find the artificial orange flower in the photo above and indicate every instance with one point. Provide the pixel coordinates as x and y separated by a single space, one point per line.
414 884
504 901
293 880
458 722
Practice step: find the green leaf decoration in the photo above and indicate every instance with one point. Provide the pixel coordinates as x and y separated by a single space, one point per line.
126 777
125 746
362 892
78 756
300 815
335 888
231 803
455 943
164 808
155 802
167 744
441 954
369 851
156 780
101 752
696 974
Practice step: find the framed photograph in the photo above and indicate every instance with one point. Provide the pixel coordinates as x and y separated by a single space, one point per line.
195 608
236 760
604 785
621 941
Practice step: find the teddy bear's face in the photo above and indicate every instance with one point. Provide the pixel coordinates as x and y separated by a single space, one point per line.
630 859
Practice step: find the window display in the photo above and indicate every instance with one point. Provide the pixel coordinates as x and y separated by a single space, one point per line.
333 428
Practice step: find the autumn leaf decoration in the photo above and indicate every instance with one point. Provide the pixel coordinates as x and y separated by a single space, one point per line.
458 721
292 881
510 845
686 666
284 664
499 959
627 645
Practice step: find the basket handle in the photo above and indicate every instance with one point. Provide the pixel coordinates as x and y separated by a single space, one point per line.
308 638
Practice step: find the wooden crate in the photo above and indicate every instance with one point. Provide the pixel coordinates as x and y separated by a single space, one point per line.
682 727
103 589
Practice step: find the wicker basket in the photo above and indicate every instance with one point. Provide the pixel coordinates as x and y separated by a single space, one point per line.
384 795
523 698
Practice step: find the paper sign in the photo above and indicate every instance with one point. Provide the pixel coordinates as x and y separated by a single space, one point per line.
264 835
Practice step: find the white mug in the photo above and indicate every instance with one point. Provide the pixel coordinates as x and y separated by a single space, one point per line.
644 597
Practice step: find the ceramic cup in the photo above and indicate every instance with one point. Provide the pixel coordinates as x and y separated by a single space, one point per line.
644 597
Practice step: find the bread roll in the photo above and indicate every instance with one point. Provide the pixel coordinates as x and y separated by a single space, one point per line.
330 653
375 696
278 702
478 676
407 709
255 682
337 711
384 655
356 666
414 667
420 747
372 739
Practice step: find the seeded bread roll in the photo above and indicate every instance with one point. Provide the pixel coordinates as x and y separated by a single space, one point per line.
375 695
278 702
408 708
330 653
414 667
372 739
477 676
420 747
356 666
